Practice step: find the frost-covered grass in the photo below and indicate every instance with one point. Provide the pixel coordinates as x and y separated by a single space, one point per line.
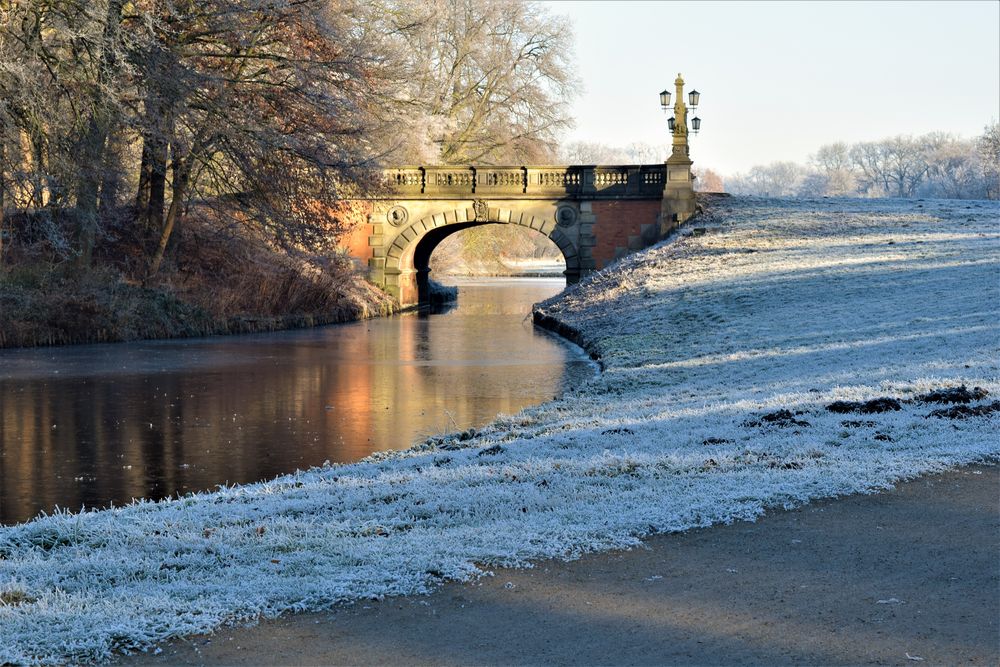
781 305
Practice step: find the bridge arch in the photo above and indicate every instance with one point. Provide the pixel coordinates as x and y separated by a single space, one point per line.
407 257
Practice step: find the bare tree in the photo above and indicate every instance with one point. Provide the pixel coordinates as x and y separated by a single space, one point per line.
271 112
587 152
584 152
31 42
476 80
643 153
707 180
892 167
100 123
778 179
954 170
835 175
813 184
988 147
871 162
49 58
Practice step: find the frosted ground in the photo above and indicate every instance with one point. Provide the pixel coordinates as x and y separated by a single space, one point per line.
779 306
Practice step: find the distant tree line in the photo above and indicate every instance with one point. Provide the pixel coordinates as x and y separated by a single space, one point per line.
933 165
142 112
590 152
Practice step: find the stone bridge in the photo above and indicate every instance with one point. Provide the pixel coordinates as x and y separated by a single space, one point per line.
594 214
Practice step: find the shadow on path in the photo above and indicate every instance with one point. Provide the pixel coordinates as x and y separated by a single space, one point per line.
886 579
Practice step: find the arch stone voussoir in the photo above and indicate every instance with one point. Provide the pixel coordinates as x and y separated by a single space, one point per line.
560 240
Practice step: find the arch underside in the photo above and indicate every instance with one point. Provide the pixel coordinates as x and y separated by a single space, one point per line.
412 247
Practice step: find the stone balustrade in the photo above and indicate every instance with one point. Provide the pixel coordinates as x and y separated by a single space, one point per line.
588 181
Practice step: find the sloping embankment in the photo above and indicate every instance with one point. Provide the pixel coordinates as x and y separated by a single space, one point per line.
797 350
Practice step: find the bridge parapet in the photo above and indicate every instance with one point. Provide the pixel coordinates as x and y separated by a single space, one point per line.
535 182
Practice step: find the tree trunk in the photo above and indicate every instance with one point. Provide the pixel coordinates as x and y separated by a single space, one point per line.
182 176
3 189
92 153
43 193
145 172
31 157
92 160
157 184
181 171
111 182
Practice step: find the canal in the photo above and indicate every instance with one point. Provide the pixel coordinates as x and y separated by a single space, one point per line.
92 425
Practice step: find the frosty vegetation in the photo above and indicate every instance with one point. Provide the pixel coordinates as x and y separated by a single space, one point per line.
723 352
933 165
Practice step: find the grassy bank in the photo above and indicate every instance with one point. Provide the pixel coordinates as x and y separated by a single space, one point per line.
217 281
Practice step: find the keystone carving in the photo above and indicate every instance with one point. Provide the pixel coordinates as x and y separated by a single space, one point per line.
482 210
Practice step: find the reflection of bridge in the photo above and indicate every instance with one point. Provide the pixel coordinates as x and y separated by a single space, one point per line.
594 214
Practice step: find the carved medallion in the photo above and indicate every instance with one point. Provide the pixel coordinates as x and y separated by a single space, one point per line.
565 215
397 215
482 210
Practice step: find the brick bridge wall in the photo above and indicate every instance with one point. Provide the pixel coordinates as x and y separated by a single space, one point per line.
621 227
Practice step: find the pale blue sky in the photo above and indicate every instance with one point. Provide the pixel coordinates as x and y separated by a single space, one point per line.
779 79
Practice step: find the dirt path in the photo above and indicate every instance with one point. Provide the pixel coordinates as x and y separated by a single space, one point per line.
911 576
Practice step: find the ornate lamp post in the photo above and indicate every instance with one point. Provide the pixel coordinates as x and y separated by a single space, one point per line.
677 124
678 191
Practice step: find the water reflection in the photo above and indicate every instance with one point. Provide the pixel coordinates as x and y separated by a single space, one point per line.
91 425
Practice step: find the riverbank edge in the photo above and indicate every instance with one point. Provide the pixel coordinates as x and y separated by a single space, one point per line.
174 318
545 321
203 326
559 327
